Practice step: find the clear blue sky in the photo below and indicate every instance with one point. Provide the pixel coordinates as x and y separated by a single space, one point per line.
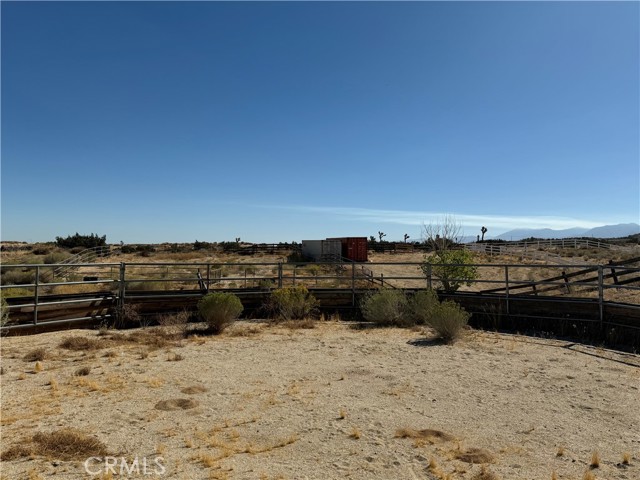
169 121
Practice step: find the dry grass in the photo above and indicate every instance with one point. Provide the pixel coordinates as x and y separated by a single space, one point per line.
355 433
485 474
588 476
194 389
426 434
176 404
82 372
626 458
64 444
37 354
80 344
38 367
475 455
342 414
595 460
560 452
306 323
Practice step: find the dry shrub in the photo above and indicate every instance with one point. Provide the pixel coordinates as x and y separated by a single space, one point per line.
64 444
80 343
175 324
426 434
16 451
69 444
82 372
192 390
449 319
245 331
176 404
485 474
305 323
595 460
476 455
35 355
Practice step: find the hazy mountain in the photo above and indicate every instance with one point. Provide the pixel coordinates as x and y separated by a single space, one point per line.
606 231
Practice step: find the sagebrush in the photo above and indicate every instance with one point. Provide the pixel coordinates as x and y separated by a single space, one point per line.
292 303
219 310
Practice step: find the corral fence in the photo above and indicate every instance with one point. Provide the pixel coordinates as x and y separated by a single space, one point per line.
600 300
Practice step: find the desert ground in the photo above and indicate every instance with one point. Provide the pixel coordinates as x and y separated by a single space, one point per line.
264 401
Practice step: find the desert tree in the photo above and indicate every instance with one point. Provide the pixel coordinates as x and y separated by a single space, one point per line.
450 264
483 230
406 237
381 234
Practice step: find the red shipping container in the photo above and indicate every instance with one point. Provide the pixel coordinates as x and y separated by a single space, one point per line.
355 248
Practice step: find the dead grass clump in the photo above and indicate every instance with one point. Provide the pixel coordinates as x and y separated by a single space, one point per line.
306 323
64 444
238 331
176 404
16 451
595 460
38 367
68 444
355 433
588 476
626 458
174 357
426 434
476 455
35 355
194 389
175 324
485 474
82 372
80 343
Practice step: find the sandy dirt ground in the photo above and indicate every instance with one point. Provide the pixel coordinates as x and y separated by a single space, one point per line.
263 402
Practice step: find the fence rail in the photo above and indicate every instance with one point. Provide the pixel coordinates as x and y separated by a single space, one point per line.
100 290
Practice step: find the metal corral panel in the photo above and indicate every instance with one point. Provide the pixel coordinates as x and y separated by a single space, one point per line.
331 248
312 249
355 248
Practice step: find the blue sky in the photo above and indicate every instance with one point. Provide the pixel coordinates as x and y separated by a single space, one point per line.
169 121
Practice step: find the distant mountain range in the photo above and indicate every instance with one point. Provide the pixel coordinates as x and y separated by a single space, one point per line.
606 231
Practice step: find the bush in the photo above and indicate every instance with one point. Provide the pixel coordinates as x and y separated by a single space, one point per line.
448 319
55 257
219 310
293 303
422 305
452 268
386 307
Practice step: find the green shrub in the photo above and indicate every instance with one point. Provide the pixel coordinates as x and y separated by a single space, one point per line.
452 268
448 319
219 310
55 257
422 305
387 307
16 276
293 303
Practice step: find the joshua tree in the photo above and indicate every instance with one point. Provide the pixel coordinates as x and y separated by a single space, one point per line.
381 234
406 237
483 230
237 239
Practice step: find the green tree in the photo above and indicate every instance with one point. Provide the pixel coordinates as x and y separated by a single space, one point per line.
450 263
